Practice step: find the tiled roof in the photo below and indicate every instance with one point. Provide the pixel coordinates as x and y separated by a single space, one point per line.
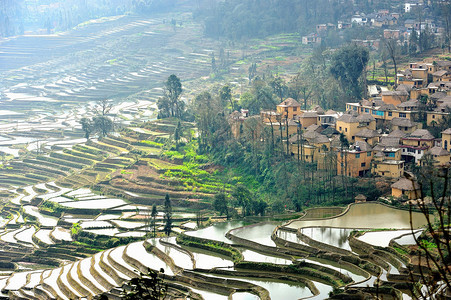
289 102
365 118
423 134
347 118
405 184
403 122
438 151
367 133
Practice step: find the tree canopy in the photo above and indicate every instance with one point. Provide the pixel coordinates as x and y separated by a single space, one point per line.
347 66
170 105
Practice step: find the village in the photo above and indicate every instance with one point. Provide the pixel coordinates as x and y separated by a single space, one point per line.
396 24
385 135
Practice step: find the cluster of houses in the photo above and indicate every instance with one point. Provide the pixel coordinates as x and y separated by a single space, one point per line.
383 18
378 136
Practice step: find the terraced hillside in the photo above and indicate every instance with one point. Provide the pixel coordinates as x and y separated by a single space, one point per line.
259 261
121 58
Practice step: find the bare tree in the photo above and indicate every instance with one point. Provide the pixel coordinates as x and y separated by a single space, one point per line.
392 47
103 107
432 277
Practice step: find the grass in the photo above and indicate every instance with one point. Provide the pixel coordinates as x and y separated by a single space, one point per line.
152 143
400 251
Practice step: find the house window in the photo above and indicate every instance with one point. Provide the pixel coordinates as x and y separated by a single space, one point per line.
295 108
363 164
402 115
378 113
391 154
340 128
367 110
368 153
357 155
433 116
389 113
346 129
446 145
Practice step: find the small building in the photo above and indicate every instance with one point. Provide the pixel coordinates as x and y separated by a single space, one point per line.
388 168
395 97
310 39
391 34
434 117
355 161
439 156
403 124
446 139
308 118
289 108
360 198
368 135
407 188
416 144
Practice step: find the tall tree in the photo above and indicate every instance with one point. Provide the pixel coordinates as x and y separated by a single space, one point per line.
393 52
167 215
154 214
243 197
221 205
87 125
225 94
177 134
347 66
103 125
170 105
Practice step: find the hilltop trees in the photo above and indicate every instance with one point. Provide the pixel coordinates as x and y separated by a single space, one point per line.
347 66
100 123
170 105
167 215
211 121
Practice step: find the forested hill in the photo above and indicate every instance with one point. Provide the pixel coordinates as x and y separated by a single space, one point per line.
19 16
240 19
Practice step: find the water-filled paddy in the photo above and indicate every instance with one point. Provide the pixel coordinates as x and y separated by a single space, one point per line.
61 234
85 266
367 215
44 236
150 260
277 289
106 231
180 258
128 224
337 237
95 204
26 235
383 238
250 255
217 231
43 219
95 224
258 233
408 239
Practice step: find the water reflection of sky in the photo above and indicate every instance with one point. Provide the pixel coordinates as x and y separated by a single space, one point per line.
337 237
367 215
258 233
217 231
